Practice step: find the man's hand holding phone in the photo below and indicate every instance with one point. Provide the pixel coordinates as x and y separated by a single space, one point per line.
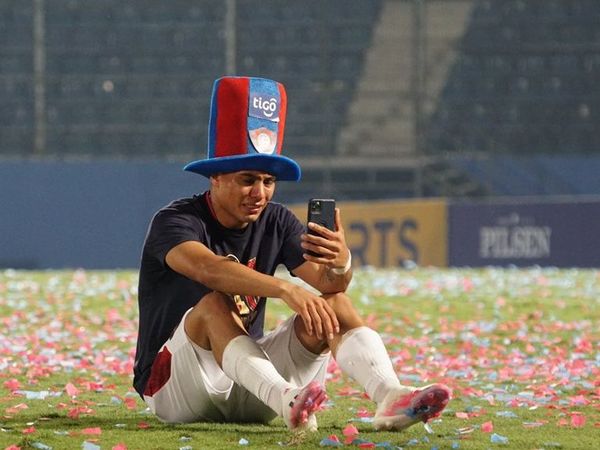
325 241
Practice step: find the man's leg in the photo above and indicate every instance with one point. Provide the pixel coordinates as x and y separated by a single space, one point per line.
214 324
360 353
294 361
185 386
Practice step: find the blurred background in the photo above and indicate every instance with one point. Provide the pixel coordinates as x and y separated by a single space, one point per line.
104 101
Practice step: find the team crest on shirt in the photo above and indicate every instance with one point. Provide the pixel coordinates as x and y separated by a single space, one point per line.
246 304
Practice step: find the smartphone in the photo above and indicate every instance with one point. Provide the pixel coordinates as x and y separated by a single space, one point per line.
322 212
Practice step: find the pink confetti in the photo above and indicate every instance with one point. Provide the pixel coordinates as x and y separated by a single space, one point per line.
92 431
15 409
487 427
363 413
350 430
462 415
563 422
143 425
76 412
119 446
13 447
71 390
578 420
130 403
579 400
113 315
94 386
29 430
12 385
348 391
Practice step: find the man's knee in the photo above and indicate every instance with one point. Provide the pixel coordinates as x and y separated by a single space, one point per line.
215 311
339 301
344 310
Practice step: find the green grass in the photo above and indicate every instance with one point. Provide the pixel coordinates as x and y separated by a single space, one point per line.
520 348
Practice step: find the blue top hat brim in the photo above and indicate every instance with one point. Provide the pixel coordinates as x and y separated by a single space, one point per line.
283 168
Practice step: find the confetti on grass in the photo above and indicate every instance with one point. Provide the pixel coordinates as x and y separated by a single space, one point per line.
506 340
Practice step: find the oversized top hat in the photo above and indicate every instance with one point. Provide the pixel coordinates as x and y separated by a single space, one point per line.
245 130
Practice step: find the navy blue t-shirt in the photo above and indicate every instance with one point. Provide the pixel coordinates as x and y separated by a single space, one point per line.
165 295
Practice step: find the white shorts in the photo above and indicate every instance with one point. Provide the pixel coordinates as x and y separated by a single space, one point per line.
195 388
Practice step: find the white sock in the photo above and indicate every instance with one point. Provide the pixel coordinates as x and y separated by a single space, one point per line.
362 355
246 363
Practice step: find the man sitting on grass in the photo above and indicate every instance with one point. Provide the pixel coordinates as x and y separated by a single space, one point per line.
207 268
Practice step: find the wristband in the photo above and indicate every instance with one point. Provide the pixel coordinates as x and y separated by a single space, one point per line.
346 268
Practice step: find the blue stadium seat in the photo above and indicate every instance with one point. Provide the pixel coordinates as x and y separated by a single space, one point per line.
16 141
17 87
16 64
111 64
146 64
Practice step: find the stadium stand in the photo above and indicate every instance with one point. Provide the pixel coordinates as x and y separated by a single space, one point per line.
133 80
522 81
130 80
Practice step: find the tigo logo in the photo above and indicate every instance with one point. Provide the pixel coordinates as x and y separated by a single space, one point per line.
264 107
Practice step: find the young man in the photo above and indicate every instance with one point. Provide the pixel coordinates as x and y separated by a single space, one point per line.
207 268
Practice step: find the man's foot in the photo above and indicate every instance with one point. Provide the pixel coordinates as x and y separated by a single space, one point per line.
300 405
404 407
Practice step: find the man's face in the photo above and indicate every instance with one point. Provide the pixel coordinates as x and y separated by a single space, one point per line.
239 198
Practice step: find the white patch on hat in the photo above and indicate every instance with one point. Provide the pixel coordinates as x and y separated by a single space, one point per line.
263 140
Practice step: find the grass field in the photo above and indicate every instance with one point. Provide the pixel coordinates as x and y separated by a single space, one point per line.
520 348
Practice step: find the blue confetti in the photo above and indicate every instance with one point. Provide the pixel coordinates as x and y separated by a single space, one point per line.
38 395
327 442
89 446
41 446
361 419
498 439
243 441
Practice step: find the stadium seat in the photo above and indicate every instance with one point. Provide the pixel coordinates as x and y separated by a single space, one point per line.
16 141
16 64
